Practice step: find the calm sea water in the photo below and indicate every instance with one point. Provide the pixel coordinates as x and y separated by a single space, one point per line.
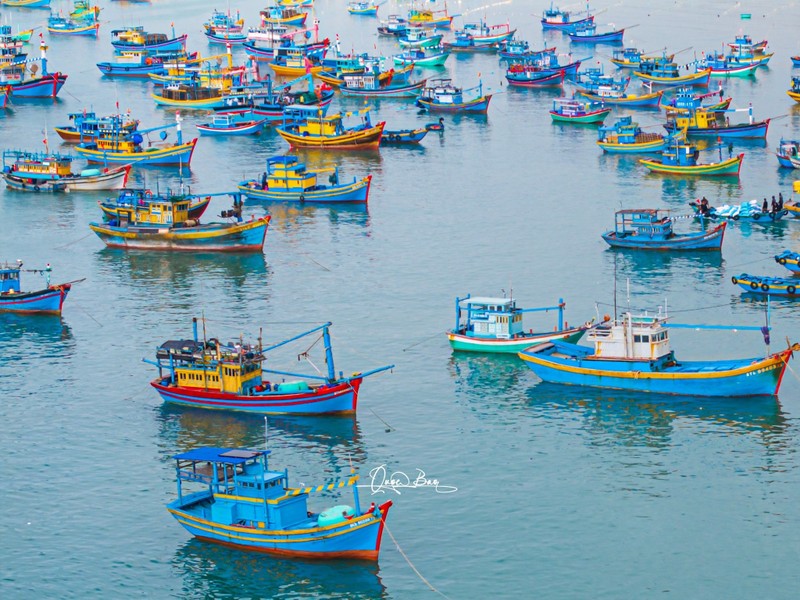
561 492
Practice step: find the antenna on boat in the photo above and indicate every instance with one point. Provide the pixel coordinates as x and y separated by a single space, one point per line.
615 286
765 329
266 432
628 292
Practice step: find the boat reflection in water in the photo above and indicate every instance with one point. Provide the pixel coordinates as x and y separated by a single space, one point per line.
214 571
33 337
491 383
623 418
293 219
666 268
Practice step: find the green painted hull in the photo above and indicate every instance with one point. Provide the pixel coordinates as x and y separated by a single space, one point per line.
463 343
593 118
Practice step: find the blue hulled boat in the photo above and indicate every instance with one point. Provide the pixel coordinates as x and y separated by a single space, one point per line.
587 34
651 229
771 286
243 504
790 260
400 137
563 20
442 96
633 353
48 300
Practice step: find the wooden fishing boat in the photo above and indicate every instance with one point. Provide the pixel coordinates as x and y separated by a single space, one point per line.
701 123
190 96
208 374
227 124
752 210
165 225
633 353
306 127
283 15
59 25
403 137
25 80
368 8
440 19
527 75
232 482
685 98
224 21
794 91
790 260
577 110
563 20
612 95
289 180
395 26
114 145
651 229
744 43
680 158
789 153
140 199
136 38
486 324
143 63
25 3
626 137
548 59
771 286
87 126
419 37
52 172
480 37
724 66
370 84
84 10
515 50
662 71
294 61
587 34
430 57
48 300
630 58
270 100
223 37
442 96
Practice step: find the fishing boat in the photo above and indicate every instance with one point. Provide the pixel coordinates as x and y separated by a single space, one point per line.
223 37
430 57
307 127
115 145
394 25
52 172
527 75
752 210
371 84
204 373
651 229
294 61
227 124
419 37
25 3
630 58
403 137
269 101
487 324
701 123
790 260
745 43
60 25
771 286
480 37
680 158
289 180
86 125
441 95
368 8
613 95
224 22
440 19
662 71
685 99
140 199
239 502
548 59
789 153
563 20
587 34
26 81
516 50
626 137
577 110
48 300
84 10
284 15
794 91
725 66
165 225
136 38
143 63
634 353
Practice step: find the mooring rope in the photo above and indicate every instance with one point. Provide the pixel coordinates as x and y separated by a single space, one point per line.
410 564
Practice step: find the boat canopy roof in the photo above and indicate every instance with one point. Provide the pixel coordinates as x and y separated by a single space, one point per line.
488 301
230 456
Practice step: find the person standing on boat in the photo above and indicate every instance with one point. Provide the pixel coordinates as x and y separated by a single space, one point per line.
765 207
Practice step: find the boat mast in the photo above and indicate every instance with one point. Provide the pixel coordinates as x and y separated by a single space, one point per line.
326 339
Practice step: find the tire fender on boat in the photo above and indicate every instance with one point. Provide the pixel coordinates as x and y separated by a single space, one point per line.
791 289
735 217
764 287
302 197
756 216
734 280
782 261
754 285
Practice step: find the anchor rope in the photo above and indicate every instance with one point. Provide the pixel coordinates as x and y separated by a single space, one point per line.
410 564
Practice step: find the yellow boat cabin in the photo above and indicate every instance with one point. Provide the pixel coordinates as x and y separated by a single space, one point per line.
154 211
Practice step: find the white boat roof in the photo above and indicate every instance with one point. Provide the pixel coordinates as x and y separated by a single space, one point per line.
488 300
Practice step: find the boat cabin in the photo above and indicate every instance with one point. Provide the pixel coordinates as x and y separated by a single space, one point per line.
659 66
9 278
442 91
310 121
156 211
626 131
680 154
36 166
486 317
640 337
137 36
244 491
575 107
286 173
651 223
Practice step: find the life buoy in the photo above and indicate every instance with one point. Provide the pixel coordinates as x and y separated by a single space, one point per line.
764 287
782 261
756 216
734 280
148 61
791 289
754 285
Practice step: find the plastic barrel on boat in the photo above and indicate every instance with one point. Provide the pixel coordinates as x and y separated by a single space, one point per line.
796 187
292 386
336 514
90 172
